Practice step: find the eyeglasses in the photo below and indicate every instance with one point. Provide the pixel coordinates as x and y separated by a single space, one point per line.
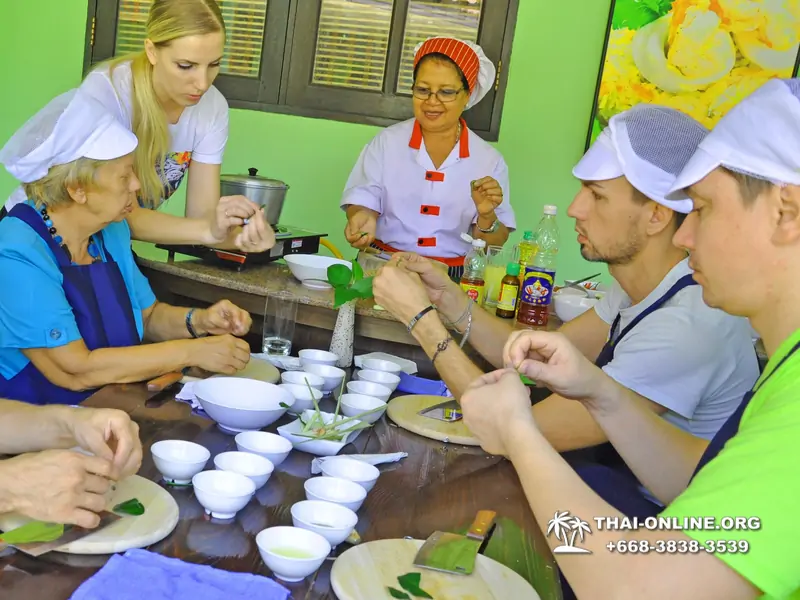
444 96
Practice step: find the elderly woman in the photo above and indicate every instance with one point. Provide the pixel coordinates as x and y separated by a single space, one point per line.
74 308
419 185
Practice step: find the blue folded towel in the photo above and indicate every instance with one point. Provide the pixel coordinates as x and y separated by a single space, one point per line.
140 574
419 385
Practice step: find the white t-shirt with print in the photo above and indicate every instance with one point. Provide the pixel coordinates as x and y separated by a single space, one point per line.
200 134
696 361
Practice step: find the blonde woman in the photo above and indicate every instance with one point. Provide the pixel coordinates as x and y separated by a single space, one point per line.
79 312
164 94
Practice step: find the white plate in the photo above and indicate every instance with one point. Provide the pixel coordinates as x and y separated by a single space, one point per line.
316 447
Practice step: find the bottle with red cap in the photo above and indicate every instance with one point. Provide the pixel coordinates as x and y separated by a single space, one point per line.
539 277
472 280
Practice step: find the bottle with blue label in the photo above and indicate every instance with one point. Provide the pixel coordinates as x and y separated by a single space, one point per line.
540 275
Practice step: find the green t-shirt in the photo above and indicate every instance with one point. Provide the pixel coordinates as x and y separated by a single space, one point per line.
757 474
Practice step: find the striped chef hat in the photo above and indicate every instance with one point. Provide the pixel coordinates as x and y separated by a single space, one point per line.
470 58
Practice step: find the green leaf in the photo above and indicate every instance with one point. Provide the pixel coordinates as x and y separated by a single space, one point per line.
635 14
363 287
398 594
358 272
410 583
130 507
33 532
284 405
343 295
339 276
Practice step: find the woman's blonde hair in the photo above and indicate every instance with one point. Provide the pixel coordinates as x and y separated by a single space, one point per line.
168 20
51 190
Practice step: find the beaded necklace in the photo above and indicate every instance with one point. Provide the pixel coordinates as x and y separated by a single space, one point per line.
93 250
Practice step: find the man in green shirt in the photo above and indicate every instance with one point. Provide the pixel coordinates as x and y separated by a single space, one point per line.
744 238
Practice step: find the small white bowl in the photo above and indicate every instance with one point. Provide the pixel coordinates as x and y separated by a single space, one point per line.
332 521
357 471
240 404
334 489
333 376
276 542
355 404
570 303
384 378
312 270
317 357
376 364
367 388
269 445
178 461
301 377
302 396
223 493
256 468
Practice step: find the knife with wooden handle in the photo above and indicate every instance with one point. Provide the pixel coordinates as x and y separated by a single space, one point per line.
159 384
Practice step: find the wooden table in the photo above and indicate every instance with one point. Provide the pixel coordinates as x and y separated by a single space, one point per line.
437 486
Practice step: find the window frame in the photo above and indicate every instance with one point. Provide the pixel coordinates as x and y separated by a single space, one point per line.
284 82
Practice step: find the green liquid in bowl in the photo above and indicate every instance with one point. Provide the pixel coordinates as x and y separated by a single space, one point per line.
287 552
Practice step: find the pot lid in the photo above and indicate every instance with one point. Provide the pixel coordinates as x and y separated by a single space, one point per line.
253 179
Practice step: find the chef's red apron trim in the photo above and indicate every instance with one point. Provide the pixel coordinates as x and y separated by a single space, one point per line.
429 210
450 262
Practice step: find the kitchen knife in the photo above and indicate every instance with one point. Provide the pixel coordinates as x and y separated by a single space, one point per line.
449 411
163 387
71 534
453 553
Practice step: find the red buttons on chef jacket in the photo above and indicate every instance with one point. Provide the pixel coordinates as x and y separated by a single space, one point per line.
429 209
426 242
434 176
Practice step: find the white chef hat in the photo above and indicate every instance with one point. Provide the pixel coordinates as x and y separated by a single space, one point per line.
649 145
470 58
760 136
72 126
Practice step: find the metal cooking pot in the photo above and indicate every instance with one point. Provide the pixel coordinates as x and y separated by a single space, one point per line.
269 193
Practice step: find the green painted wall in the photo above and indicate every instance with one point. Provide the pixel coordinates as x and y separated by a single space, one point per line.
551 83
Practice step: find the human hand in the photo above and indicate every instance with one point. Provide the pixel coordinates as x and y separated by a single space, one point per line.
220 354
108 434
495 406
360 229
231 212
56 486
400 291
257 235
442 291
487 195
221 318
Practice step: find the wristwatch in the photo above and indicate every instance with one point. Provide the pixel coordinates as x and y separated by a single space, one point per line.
494 227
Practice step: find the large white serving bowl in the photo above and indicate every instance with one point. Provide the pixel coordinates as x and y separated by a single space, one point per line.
367 388
337 490
356 404
178 460
384 378
223 493
312 270
274 542
332 521
269 445
317 357
302 378
333 376
571 303
377 364
256 468
239 404
357 471
303 396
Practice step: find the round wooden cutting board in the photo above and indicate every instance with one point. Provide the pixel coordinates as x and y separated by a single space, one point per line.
258 368
404 410
159 519
365 571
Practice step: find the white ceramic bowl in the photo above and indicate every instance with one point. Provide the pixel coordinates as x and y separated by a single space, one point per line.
351 469
302 396
333 376
384 378
367 388
317 357
269 445
355 404
302 378
376 364
257 468
178 461
240 404
223 493
312 270
571 303
276 542
334 489
332 521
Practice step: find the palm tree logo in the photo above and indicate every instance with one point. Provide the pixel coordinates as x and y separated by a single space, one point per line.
570 527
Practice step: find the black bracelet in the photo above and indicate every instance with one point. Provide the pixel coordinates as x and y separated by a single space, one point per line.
421 314
441 347
189 326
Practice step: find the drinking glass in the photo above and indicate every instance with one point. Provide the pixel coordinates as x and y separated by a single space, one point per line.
497 259
280 315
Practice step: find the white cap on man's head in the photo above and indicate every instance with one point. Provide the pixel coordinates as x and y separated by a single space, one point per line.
649 145
72 126
760 136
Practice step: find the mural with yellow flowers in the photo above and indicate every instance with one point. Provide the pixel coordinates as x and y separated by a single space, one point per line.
698 56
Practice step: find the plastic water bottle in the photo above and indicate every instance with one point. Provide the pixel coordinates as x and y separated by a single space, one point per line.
539 277
473 281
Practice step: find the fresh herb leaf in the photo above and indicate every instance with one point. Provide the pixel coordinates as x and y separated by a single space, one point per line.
339 276
358 272
33 532
410 583
284 405
363 287
398 594
130 507
343 295
635 14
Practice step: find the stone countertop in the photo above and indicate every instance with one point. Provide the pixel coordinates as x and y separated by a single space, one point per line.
261 280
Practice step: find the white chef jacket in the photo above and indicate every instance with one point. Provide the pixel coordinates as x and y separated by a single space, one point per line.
424 209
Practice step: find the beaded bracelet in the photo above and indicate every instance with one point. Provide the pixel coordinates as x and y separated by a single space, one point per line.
189 326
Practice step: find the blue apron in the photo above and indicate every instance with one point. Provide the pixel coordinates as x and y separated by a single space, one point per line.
100 304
